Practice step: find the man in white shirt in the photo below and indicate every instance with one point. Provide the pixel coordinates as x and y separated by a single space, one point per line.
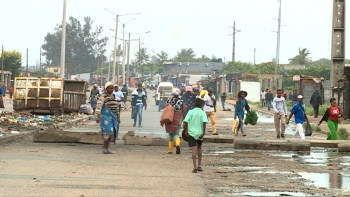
262 96
280 115
119 96
209 100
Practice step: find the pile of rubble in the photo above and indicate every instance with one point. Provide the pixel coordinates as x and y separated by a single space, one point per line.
13 123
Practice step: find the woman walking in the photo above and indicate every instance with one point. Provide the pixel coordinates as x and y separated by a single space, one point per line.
241 105
107 115
331 116
173 128
94 96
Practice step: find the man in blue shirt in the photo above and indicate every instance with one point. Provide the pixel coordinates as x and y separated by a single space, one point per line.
300 117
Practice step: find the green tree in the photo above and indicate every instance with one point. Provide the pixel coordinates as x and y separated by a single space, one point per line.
43 73
267 68
302 58
141 56
185 55
238 67
203 58
324 61
12 62
83 45
163 56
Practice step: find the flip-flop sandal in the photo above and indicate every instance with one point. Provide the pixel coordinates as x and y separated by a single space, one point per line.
199 169
106 151
194 170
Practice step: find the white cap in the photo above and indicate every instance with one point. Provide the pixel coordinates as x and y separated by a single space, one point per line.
300 97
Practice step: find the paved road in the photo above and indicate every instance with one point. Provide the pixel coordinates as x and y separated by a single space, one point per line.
150 121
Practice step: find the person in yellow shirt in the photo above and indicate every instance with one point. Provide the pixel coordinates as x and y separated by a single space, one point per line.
203 93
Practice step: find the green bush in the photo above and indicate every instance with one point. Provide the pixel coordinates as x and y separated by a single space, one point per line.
342 134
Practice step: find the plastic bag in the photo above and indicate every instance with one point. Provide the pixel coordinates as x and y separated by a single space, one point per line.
308 130
234 126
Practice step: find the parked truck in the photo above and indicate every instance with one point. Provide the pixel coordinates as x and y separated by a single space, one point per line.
48 95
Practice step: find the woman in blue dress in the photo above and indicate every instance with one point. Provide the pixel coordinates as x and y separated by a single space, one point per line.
107 115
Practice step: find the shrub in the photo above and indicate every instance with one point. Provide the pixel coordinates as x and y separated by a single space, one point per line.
343 134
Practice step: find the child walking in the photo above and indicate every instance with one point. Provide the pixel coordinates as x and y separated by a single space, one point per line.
194 125
331 116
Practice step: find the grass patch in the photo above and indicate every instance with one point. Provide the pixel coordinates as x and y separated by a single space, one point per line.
342 134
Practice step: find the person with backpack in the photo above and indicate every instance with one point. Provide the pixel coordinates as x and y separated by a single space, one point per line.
331 116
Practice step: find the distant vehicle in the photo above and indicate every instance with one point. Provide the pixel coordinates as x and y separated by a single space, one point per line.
162 91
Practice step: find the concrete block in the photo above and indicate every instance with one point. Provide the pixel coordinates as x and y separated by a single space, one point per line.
218 138
144 141
324 143
13 137
59 136
286 145
344 146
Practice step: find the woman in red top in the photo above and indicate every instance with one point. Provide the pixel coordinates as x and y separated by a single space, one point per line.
332 115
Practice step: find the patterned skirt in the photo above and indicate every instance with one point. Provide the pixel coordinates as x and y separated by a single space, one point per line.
109 125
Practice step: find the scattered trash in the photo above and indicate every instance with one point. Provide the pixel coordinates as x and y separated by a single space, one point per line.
14 132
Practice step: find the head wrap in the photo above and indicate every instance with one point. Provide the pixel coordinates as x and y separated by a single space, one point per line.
108 84
95 85
176 91
188 89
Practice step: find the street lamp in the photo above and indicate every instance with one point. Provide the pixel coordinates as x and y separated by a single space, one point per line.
115 41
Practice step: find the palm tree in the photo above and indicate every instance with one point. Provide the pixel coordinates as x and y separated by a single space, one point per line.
163 56
302 58
142 57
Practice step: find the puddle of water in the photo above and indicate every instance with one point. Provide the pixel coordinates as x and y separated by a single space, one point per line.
270 172
224 152
271 194
327 180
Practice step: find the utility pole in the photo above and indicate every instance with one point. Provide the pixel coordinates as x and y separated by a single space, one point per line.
234 40
254 56
128 60
2 64
115 50
101 73
27 65
340 72
124 53
278 45
140 58
63 41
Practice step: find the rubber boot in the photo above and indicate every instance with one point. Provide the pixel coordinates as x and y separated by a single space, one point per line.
170 147
178 142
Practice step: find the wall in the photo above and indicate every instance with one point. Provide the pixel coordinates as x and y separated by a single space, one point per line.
253 90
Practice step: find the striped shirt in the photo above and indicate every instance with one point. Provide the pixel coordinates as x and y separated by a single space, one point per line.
106 101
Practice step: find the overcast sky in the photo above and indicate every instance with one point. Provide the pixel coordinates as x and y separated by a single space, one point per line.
199 24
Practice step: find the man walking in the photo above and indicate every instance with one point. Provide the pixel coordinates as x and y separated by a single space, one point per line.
118 95
300 117
268 98
280 114
316 101
295 97
209 100
11 91
125 92
138 98
263 96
